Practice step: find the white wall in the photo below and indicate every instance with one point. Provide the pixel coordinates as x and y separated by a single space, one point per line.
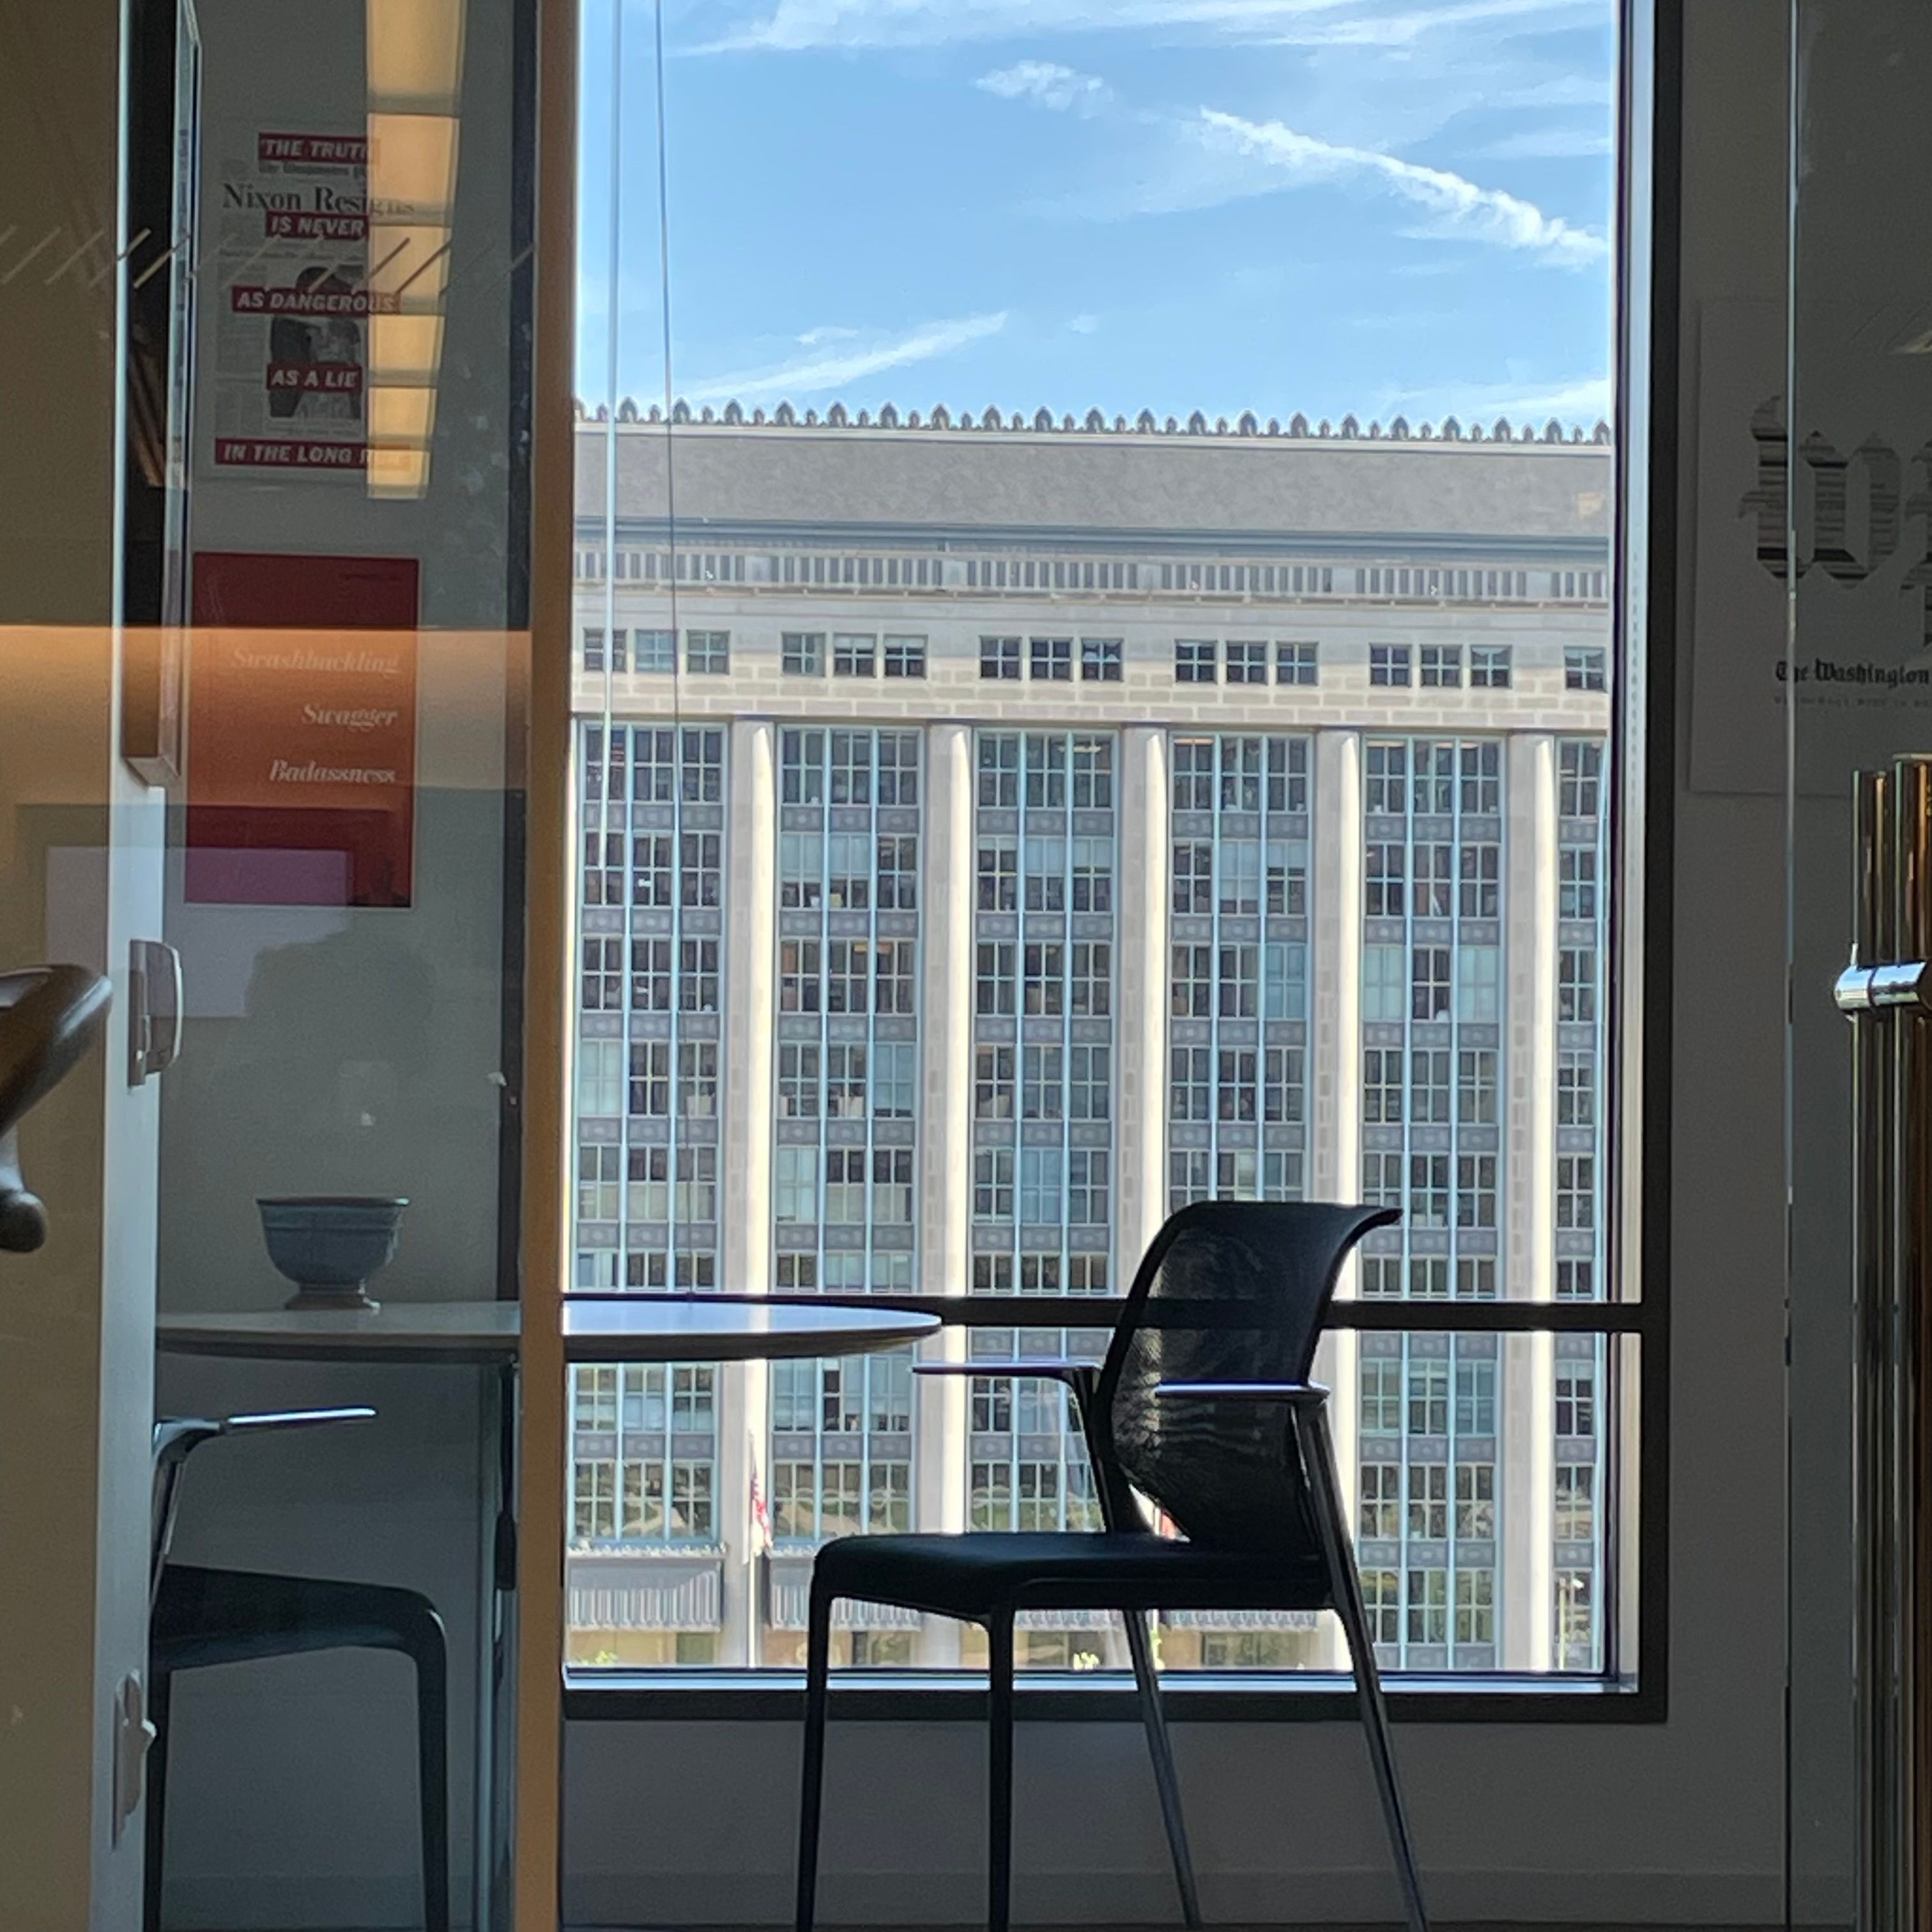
1674 1823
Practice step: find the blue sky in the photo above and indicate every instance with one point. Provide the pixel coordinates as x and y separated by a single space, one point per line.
1333 206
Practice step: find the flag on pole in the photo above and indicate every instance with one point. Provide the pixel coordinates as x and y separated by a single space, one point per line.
761 1513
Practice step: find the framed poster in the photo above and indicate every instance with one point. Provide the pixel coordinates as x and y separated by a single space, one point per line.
292 303
302 725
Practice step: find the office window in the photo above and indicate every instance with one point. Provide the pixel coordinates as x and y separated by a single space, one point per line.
854 655
904 657
801 653
1194 661
1100 660
1575 1517
1579 778
999 658
1489 667
654 650
1576 882
1052 658
1576 984
1247 663
1296 664
1583 667
597 657
707 653
1463 1057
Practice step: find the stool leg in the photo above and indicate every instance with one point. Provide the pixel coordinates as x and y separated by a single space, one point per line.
1000 1772
811 1791
433 1784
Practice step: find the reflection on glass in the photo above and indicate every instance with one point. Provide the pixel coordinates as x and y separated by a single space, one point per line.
1000 828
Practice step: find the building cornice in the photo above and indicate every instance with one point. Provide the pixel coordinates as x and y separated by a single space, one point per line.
990 423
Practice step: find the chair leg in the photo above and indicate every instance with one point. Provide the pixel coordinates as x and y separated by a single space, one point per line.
1141 1648
161 1685
1382 1753
1000 1772
811 1791
432 1784
1346 1586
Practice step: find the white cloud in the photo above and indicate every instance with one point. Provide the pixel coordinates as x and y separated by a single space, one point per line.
1459 208
826 332
793 26
1584 399
813 375
1083 325
1550 144
1048 84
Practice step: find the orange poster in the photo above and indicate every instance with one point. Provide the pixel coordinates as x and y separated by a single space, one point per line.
302 730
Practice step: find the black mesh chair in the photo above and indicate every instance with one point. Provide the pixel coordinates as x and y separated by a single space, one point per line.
1203 1405
200 1617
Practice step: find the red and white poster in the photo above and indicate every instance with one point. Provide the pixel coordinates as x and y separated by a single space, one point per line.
302 730
293 305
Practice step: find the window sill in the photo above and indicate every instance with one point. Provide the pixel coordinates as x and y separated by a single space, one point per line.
772 1697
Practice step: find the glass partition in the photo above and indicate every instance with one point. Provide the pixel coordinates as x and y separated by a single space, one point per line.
334 360
1848 421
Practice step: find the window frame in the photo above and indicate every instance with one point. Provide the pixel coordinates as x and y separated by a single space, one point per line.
1638 875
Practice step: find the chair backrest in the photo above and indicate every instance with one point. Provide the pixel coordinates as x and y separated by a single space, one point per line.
1229 1291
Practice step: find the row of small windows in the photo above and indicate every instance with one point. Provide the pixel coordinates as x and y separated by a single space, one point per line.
1054 1185
900 571
1051 660
1200 661
1100 660
853 654
1440 666
706 653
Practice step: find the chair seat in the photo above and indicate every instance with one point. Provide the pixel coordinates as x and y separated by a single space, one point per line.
983 1574
203 1617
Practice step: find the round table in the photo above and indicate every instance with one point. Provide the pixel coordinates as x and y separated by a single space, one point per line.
617 1328
487 1334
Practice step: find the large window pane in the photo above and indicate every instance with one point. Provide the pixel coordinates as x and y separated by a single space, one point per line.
1001 829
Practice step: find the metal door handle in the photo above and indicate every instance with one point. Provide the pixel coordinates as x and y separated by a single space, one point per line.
153 1009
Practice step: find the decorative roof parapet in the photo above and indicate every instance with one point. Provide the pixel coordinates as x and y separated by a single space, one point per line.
1094 423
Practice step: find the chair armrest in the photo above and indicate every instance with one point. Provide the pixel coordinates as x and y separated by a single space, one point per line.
1059 1370
1297 1395
175 1441
293 1418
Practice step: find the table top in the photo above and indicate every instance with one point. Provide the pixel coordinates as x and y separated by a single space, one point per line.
624 1328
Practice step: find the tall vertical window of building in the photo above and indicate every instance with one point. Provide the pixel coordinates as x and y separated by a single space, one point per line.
849 811
1237 1026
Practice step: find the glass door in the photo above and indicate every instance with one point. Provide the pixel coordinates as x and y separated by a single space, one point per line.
1843 707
